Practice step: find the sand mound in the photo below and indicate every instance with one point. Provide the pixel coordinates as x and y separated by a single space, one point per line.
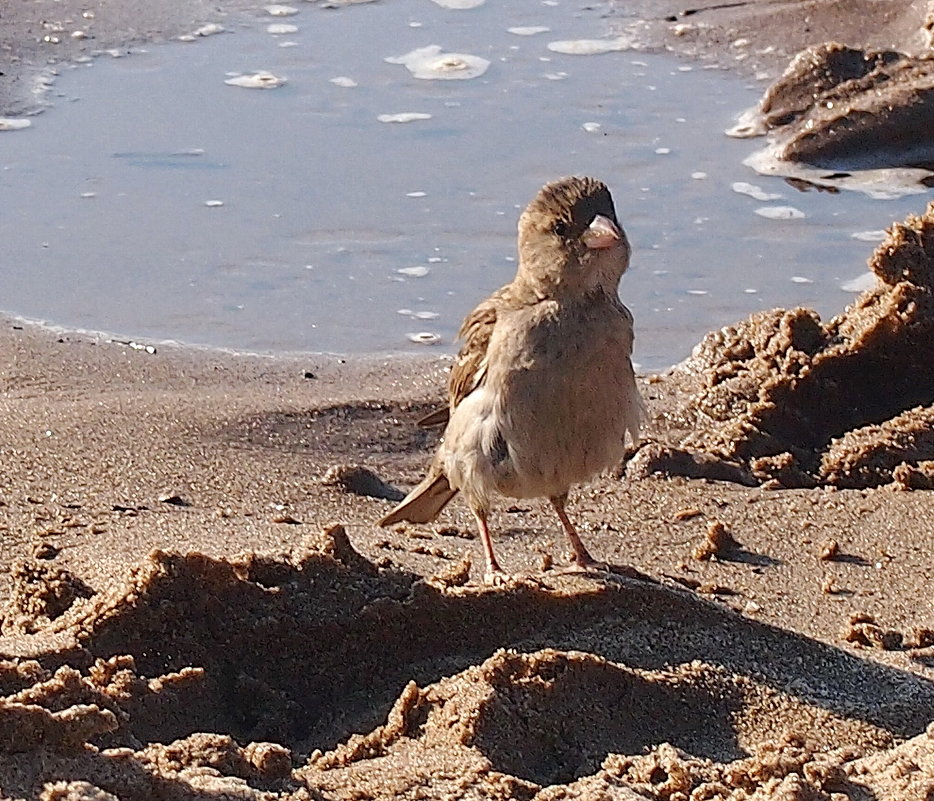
847 108
522 722
316 674
784 398
41 593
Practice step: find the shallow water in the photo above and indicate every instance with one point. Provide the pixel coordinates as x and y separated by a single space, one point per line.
156 201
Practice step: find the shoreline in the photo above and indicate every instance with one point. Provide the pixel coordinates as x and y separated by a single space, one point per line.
151 345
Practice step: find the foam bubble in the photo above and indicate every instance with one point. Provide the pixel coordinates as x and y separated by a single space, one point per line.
528 30
591 47
13 124
755 192
276 10
748 124
424 338
213 204
281 28
869 236
800 279
862 283
458 5
698 175
591 127
210 29
416 194
404 116
780 213
344 82
430 63
256 80
880 184
419 271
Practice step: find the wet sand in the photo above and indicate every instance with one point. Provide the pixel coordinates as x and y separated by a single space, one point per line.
39 36
196 602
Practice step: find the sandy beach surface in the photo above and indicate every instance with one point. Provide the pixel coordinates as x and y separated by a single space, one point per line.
196 603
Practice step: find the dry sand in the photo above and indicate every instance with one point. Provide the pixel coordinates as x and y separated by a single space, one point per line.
195 602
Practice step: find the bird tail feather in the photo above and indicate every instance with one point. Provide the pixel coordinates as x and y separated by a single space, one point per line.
424 503
439 417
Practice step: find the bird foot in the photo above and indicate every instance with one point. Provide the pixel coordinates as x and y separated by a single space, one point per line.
495 576
500 579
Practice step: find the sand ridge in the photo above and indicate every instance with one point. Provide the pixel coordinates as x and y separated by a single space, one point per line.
785 399
462 690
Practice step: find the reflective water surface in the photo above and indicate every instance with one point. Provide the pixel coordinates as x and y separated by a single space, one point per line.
358 208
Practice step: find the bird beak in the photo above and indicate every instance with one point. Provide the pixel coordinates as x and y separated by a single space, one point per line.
601 233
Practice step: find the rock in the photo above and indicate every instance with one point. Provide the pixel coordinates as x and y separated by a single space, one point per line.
360 480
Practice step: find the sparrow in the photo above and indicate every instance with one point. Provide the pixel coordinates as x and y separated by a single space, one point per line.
542 395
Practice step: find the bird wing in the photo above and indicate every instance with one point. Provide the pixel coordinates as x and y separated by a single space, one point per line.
426 501
469 368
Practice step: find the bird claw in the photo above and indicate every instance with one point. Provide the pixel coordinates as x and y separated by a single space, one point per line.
500 579
497 577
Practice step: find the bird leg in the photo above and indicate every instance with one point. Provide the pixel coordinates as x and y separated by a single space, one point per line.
579 553
581 557
493 573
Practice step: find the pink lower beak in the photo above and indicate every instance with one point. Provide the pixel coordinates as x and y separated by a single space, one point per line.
601 233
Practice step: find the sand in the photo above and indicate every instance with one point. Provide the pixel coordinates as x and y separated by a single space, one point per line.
195 602
786 400
841 106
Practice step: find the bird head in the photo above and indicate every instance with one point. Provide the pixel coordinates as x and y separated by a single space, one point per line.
570 240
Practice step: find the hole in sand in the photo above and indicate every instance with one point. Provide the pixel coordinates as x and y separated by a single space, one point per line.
565 712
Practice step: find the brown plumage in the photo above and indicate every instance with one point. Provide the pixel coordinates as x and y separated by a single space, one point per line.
542 394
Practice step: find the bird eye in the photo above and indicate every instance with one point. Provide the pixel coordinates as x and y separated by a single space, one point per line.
561 228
